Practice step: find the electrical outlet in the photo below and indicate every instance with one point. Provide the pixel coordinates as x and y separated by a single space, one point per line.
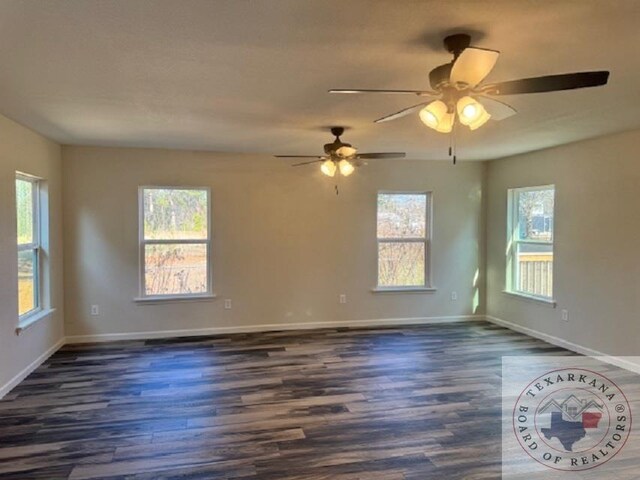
227 304
454 296
343 298
95 310
565 315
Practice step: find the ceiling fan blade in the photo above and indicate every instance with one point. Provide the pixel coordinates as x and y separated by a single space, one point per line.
308 163
382 155
473 65
401 113
420 93
549 83
299 156
497 109
346 152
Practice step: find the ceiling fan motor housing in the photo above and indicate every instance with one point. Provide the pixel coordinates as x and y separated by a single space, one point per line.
456 43
331 148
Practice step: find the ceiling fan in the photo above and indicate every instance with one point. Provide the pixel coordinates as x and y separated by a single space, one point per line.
340 156
459 94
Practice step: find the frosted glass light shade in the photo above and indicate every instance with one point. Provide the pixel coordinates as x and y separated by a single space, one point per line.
446 123
328 168
433 114
471 112
346 168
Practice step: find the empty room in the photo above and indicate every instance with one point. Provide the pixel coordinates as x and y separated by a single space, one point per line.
319 239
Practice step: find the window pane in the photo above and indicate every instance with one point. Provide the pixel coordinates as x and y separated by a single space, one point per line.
24 206
402 215
535 269
175 269
27 291
175 214
401 264
535 215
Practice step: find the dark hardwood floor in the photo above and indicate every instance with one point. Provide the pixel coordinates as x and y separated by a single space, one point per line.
341 404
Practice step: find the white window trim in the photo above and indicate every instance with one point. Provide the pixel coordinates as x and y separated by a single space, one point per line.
531 298
142 242
33 315
404 290
513 242
175 298
427 240
34 318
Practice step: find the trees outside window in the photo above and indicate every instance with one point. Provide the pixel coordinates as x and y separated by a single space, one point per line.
403 239
175 241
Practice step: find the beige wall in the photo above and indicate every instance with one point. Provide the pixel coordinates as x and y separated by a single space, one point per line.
285 246
597 245
26 151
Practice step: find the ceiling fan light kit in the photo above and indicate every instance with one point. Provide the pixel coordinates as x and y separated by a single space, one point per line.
329 168
440 117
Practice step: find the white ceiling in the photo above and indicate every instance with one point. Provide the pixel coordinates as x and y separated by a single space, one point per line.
252 75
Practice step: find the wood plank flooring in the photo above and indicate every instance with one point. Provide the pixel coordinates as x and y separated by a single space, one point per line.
342 404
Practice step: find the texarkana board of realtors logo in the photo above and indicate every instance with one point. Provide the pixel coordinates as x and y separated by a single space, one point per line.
570 419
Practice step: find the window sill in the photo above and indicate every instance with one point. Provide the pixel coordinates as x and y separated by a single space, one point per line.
403 290
32 319
532 298
175 298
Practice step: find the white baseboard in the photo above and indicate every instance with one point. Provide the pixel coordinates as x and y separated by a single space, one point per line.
7 387
559 342
382 322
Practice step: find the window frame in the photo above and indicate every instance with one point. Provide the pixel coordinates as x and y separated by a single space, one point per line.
426 240
35 246
142 243
513 241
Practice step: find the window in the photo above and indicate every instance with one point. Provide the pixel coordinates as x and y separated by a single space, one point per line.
175 242
403 240
530 242
28 237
